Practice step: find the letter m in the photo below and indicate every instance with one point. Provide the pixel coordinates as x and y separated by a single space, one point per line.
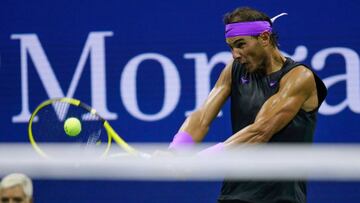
94 49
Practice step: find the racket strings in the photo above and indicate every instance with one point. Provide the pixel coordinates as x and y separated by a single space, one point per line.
61 109
94 138
49 127
90 117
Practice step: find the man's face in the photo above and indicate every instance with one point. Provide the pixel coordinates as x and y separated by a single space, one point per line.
13 195
247 50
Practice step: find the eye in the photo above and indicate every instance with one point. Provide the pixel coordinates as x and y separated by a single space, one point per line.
5 200
18 199
239 45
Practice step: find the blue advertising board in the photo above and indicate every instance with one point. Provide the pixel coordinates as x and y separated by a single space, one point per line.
145 65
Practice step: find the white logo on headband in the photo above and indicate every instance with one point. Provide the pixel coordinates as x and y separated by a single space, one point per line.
278 16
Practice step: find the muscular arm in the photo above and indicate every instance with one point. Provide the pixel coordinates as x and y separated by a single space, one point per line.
197 124
297 90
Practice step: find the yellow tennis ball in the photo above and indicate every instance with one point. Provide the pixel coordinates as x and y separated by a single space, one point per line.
72 126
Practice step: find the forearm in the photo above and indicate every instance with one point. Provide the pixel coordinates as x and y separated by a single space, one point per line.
260 131
196 126
193 130
264 127
249 134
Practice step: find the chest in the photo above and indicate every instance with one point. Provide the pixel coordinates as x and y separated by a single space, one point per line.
252 90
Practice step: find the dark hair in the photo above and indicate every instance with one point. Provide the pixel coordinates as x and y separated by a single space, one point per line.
246 14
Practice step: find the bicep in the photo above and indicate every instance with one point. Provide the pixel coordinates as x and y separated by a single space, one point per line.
295 89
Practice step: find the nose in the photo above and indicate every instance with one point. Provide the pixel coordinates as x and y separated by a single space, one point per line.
235 54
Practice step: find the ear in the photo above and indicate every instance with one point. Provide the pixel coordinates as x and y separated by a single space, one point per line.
265 38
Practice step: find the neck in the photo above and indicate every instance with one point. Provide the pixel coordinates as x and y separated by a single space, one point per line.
274 61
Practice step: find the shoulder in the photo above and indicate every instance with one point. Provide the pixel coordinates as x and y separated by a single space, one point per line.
300 71
229 68
300 78
225 78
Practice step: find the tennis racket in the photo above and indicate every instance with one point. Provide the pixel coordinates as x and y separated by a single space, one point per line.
46 125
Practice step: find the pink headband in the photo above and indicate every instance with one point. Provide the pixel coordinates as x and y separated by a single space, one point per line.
252 28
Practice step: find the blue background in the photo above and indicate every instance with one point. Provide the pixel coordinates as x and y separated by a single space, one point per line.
169 28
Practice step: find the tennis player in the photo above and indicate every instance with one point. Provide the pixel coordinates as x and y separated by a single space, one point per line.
273 100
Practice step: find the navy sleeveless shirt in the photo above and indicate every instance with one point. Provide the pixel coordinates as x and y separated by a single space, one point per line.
249 92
